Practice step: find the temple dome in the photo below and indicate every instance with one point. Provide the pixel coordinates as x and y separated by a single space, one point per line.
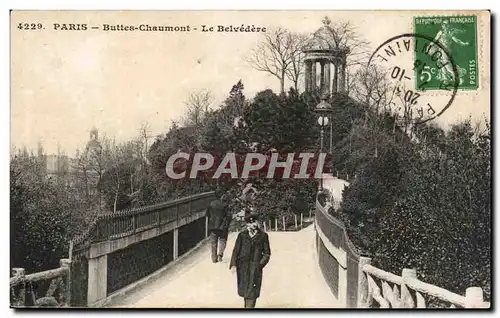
325 47
319 40
322 40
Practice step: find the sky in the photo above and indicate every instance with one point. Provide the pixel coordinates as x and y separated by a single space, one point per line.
63 83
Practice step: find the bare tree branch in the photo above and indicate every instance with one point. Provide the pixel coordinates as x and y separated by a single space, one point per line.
198 105
343 35
279 54
294 72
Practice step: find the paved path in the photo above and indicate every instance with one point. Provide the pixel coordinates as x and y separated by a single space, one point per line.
335 185
292 279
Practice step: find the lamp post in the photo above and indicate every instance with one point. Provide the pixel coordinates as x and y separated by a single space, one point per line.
323 109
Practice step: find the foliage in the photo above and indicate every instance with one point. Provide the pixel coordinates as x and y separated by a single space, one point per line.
285 197
285 123
426 204
42 215
420 200
49 208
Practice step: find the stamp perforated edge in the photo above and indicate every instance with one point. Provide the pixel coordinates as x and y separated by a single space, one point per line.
480 43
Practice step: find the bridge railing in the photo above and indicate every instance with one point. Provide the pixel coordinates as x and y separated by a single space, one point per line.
358 284
121 248
116 250
49 288
290 222
123 223
387 290
338 258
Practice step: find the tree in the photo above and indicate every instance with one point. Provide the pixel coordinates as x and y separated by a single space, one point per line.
426 204
222 131
115 183
262 117
383 103
42 214
279 54
144 136
372 89
296 67
284 122
198 105
342 35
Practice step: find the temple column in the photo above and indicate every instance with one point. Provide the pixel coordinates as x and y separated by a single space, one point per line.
322 77
313 76
308 80
335 77
327 76
342 77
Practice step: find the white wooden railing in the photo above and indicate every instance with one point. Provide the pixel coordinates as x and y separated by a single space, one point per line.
287 222
397 291
58 293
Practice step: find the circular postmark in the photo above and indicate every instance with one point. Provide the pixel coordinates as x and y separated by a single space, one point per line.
400 71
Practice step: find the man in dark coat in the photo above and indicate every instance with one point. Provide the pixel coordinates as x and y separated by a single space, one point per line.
219 219
250 255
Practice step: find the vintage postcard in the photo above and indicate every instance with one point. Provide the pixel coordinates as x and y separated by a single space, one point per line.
250 159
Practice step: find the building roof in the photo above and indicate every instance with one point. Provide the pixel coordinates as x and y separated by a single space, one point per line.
322 40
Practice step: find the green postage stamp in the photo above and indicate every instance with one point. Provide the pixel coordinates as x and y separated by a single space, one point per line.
458 36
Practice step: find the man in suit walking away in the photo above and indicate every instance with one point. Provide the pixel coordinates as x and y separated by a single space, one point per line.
250 255
219 219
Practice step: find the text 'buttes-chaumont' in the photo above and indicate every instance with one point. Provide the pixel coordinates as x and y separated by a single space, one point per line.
243 28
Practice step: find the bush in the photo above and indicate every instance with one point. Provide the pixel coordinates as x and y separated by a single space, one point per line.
41 217
427 206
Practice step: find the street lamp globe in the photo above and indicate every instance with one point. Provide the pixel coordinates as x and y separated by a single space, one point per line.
323 109
323 121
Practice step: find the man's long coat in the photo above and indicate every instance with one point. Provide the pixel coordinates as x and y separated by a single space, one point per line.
219 216
250 256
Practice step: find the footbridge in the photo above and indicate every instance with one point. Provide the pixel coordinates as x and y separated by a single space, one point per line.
158 257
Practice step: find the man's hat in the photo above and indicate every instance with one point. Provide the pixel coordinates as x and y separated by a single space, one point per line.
251 218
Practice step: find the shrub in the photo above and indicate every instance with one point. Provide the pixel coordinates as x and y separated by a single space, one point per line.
427 206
